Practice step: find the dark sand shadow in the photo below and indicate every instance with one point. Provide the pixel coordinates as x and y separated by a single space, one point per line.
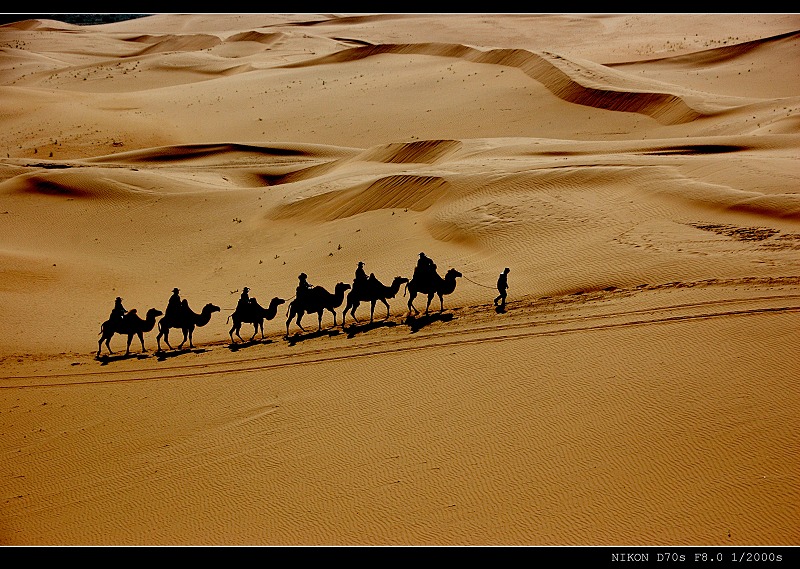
162 355
299 337
416 323
107 359
236 346
354 329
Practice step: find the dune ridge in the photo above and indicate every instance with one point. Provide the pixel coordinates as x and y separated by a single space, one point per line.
568 79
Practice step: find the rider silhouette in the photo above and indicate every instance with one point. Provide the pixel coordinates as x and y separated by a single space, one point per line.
303 286
244 300
174 304
117 312
361 276
425 267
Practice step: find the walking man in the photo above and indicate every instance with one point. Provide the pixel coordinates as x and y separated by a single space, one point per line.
502 288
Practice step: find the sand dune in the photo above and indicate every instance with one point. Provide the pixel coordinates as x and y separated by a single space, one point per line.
636 172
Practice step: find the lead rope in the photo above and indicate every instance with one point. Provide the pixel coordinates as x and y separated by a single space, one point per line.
479 284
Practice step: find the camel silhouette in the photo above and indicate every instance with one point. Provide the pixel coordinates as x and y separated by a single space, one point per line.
316 301
254 314
372 291
185 319
132 324
432 285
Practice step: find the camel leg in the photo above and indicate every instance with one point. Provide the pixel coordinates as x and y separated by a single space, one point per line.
255 331
411 306
319 318
231 331
141 339
352 309
334 317
128 347
441 303
372 311
430 299
105 339
187 333
166 338
383 300
163 332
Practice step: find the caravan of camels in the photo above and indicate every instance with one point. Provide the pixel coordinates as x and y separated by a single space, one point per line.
308 299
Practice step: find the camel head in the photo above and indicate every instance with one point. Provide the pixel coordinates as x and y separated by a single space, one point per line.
452 274
210 308
341 287
277 301
153 313
400 280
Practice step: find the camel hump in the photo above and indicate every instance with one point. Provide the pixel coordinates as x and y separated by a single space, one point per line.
131 312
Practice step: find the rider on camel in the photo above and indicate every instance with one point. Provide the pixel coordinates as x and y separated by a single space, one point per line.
425 268
117 312
244 301
174 304
303 286
360 278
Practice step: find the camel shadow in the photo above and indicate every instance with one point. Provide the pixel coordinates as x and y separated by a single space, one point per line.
416 323
353 329
299 337
235 347
105 359
162 355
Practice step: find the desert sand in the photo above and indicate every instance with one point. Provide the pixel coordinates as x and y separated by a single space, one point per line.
637 173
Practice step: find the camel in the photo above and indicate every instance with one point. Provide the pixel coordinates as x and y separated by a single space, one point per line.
255 315
434 285
132 324
317 300
185 319
373 291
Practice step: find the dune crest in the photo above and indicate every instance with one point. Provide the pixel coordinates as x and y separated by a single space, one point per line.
417 193
421 151
569 79
173 42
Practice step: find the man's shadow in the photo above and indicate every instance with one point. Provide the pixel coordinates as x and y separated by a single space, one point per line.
416 323
353 329
300 336
163 355
235 347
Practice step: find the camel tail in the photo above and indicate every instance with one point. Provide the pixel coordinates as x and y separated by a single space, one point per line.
405 289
